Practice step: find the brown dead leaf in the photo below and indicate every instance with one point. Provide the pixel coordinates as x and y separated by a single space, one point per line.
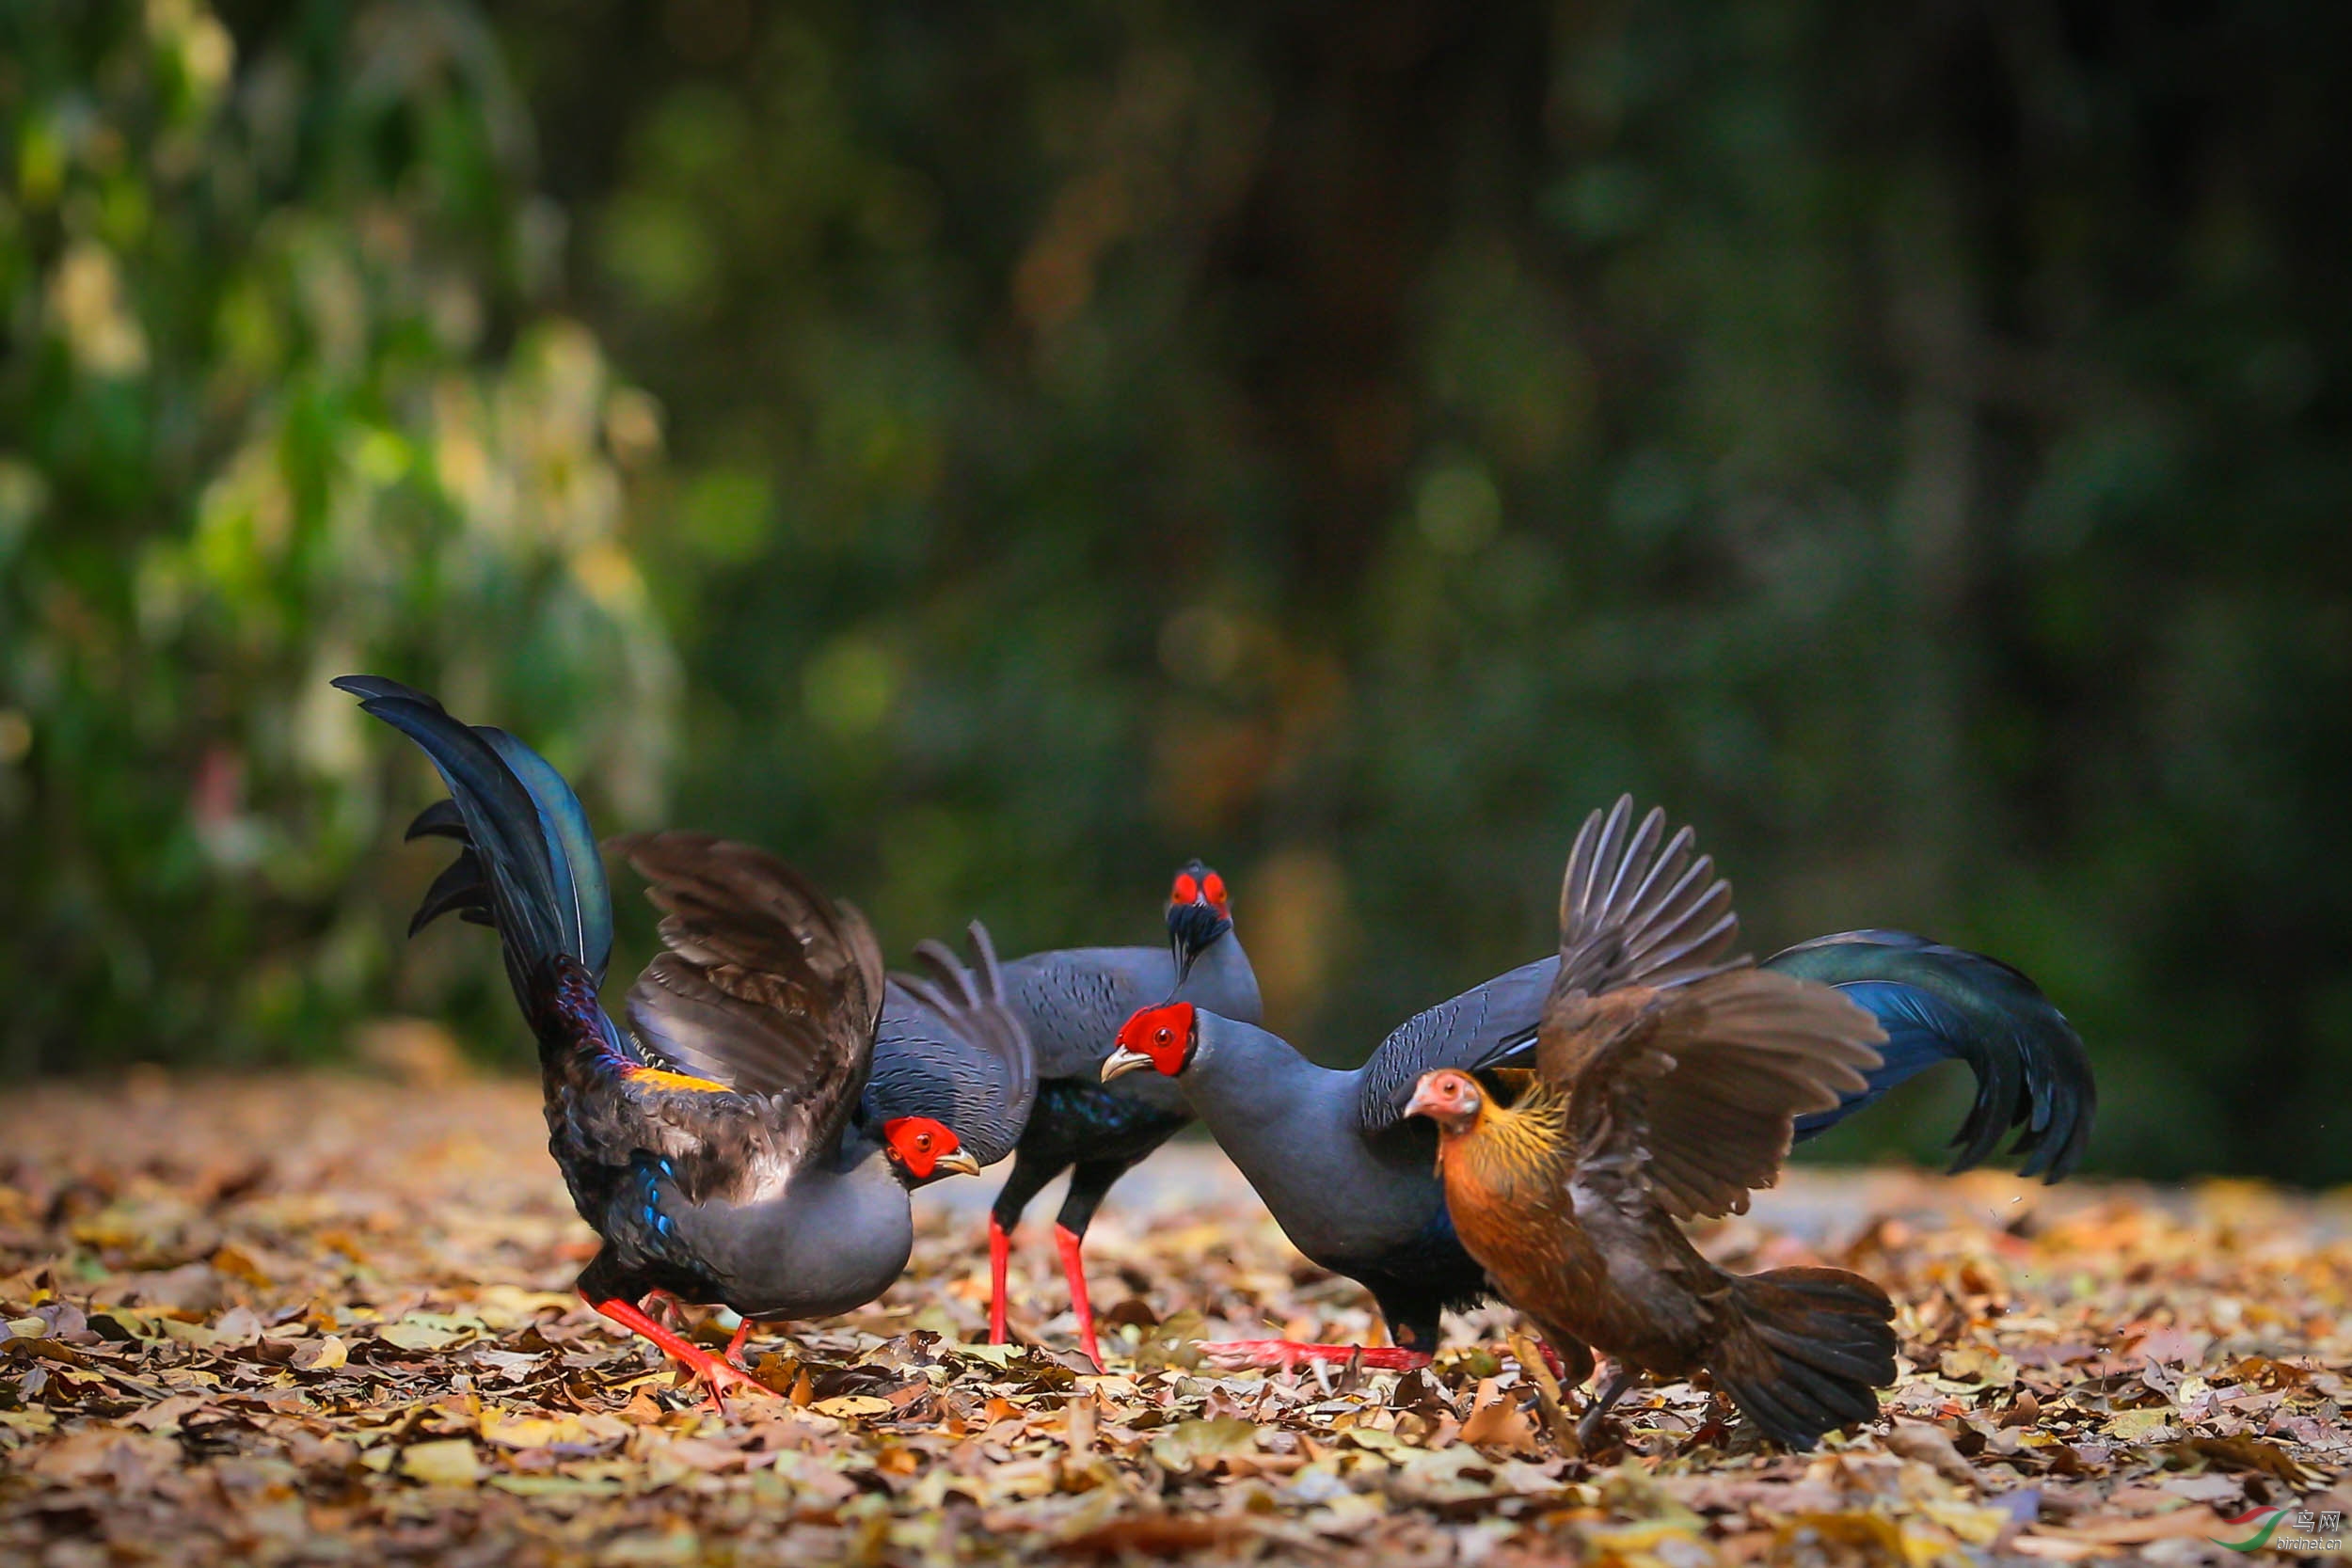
1157 1535
404 1375
1190 1443
325 1354
130 1460
2244 1453
1495 1421
2137 1530
2172 1346
1980 1364
1933 1447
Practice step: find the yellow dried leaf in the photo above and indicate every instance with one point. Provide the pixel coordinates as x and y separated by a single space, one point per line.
202 1335
237 1265
1979 1364
509 1431
450 1462
321 1355
2140 1426
1190 1443
411 1334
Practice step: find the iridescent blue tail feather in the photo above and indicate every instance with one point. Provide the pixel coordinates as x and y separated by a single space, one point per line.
1940 1004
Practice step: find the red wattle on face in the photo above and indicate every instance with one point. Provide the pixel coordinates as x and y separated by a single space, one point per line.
1163 1034
919 1142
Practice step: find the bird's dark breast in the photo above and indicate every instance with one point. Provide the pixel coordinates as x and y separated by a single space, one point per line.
1416 1280
1074 1120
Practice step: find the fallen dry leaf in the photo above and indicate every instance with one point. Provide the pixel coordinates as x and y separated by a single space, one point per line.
450 1463
369 1335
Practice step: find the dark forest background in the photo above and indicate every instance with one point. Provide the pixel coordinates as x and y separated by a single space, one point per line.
988 453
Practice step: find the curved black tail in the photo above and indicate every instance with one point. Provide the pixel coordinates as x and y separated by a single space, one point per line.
527 866
1945 1004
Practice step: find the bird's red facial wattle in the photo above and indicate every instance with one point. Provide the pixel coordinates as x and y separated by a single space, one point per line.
1161 1037
1197 884
1451 1100
1198 915
924 1148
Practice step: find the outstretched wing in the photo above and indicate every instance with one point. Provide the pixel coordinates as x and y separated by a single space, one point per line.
1638 909
768 988
1693 1090
1635 907
950 1048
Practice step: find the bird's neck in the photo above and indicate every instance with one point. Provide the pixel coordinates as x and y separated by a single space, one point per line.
1222 981
1512 1144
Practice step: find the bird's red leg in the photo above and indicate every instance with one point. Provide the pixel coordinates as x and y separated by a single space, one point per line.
714 1373
1286 1354
735 1346
1073 1268
1000 1251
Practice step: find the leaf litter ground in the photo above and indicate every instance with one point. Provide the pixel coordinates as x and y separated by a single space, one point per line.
330 1319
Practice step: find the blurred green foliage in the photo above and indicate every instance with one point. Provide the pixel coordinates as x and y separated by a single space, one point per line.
1347 443
280 399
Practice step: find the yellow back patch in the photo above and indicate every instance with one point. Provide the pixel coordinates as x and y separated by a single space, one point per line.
659 1078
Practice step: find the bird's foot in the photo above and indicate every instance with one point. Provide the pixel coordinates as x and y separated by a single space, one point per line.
735 1345
718 1376
1287 1353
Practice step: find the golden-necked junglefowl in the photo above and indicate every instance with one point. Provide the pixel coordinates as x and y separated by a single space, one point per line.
1351 1179
1669 1074
1073 1001
723 1146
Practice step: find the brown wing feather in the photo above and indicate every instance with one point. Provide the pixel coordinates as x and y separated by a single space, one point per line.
1639 912
1639 907
1698 1088
770 987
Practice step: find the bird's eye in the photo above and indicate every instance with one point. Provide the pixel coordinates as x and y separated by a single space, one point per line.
1163 1035
922 1140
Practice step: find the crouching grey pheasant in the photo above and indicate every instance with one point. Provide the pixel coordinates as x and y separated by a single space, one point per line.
722 1145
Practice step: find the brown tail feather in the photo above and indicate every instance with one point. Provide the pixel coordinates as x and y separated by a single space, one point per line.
1804 1352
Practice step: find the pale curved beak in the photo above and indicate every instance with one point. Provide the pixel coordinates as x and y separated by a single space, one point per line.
961 1163
1123 1061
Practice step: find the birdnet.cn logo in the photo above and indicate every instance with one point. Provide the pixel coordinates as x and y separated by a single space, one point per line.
2306 1531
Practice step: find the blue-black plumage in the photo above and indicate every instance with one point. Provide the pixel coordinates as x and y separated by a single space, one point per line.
1940 1004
